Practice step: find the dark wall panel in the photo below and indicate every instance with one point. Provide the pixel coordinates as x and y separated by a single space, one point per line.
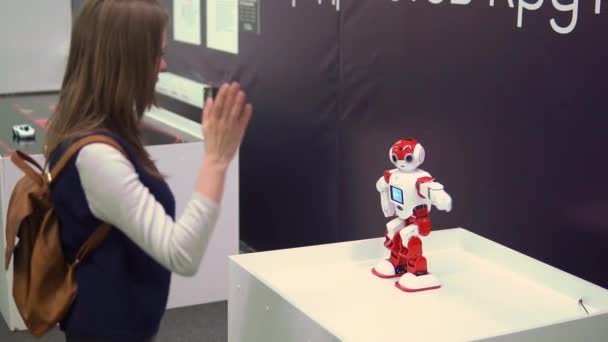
288 162
513 121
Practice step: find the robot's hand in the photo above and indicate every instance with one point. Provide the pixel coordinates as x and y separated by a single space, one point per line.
381 185
435 193
442 201
388 208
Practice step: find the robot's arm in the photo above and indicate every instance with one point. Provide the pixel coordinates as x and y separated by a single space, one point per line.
434 192
388 208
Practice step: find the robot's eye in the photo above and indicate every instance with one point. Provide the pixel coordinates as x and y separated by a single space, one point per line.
409 158
394 158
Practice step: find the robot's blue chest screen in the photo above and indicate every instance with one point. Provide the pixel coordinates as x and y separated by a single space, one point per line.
396 194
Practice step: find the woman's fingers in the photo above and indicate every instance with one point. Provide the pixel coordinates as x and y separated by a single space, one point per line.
220 100
206 115
231 95
247 113
237 107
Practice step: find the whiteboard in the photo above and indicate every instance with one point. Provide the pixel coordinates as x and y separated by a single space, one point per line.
35 36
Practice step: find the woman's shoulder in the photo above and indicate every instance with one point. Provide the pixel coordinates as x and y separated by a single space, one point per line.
101 157
110 142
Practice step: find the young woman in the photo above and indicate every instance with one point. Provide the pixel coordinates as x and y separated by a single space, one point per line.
115 56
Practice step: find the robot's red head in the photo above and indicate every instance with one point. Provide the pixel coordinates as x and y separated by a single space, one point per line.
403 149
407 154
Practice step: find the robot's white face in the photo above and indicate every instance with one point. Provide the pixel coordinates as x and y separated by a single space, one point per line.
406 157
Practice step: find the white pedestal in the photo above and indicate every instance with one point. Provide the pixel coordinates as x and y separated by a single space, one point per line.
181 164
489 292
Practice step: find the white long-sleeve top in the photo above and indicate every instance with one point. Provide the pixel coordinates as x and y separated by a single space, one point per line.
116 195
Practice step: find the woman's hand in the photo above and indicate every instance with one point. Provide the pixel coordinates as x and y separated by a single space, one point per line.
224 122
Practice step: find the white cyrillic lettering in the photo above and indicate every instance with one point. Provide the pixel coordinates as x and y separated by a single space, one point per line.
526 5
573 7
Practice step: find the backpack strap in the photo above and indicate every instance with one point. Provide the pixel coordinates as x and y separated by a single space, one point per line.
103 230
19 159
92 242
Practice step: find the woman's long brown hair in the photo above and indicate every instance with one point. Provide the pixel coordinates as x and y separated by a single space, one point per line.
115 49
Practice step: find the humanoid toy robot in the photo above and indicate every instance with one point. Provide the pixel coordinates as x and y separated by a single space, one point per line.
408 192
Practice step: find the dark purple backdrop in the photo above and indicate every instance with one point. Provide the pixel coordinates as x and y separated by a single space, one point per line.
513 121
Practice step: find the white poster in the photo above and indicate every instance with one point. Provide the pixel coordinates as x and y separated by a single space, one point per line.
187 21
223 25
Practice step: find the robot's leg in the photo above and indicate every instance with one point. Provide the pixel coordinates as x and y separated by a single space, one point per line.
398 258
393 243
416 262
417 277
396 264
410 246
392 228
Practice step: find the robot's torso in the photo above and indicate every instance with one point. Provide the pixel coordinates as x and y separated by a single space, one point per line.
403 190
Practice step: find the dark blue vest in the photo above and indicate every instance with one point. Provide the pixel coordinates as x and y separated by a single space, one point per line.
122 292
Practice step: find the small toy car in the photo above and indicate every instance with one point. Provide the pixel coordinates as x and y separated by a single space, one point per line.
24 132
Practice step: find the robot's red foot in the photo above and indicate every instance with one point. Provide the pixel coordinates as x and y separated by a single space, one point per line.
411 283
385 269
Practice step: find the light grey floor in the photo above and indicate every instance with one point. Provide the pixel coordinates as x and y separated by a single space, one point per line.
207 322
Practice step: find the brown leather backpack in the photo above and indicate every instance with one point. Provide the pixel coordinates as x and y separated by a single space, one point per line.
44 285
